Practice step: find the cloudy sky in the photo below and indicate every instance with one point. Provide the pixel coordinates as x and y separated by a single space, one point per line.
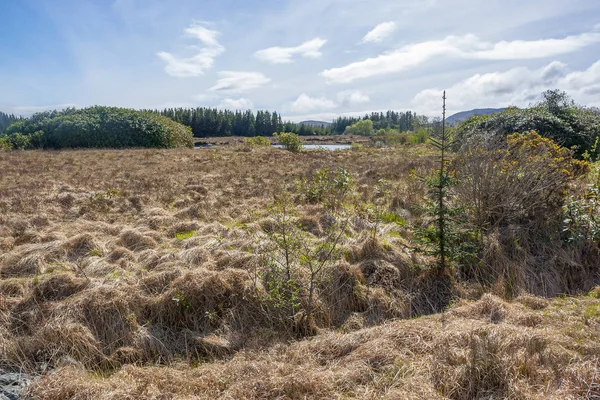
308 59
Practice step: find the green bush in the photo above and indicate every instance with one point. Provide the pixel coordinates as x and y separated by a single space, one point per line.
258 141
327 187
98 127
556 117
362 128
290 141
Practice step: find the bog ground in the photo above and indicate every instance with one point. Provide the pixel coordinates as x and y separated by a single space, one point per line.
148 274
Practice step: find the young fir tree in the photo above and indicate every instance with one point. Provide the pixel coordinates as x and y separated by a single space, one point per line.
443 233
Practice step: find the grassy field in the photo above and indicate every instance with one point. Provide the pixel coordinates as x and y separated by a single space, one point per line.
148 274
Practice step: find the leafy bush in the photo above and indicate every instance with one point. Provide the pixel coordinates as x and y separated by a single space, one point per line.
326 187
258 141
362 128
290 141
521 179
98 127
296 263
393 136
556 117
582 217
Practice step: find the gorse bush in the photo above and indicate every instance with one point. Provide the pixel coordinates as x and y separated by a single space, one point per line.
258 141
97 127
521 179
582 217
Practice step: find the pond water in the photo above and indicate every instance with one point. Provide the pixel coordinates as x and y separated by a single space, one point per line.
320 146
329 147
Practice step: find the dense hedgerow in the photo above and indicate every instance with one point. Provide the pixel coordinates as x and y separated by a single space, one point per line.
556 117
96 127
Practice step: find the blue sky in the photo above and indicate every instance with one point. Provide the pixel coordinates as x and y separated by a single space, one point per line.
304 58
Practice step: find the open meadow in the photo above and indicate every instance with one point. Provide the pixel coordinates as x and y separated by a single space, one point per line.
251 272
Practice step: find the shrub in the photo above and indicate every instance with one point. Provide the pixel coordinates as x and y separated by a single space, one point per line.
521 179
327 187
258 141
290 141
582 217
98 127
5 143
294 264
556 117
393 136
362 128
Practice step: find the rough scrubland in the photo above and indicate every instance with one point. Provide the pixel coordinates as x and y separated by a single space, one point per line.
160 274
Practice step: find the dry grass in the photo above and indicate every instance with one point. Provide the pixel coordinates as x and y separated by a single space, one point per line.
465 353
133 274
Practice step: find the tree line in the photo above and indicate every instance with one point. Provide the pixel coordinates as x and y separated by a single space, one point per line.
211 122
207 122
400 121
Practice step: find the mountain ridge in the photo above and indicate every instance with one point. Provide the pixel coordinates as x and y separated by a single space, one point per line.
464 115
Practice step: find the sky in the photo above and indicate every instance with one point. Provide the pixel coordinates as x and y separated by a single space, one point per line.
306 59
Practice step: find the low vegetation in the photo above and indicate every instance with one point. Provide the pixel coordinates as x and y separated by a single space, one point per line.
252 272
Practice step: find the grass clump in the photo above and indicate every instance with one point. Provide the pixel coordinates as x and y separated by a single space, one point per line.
185 235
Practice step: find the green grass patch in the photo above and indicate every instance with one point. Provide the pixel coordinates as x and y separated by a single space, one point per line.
592 311
595 293
185 235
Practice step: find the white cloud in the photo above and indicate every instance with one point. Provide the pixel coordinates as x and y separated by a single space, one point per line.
305 103
284 55
380 32
205 35
201 61
467 47
237 82
236 104
518 86
352 97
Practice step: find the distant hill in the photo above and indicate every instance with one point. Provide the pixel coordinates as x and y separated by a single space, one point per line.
464 115
316 123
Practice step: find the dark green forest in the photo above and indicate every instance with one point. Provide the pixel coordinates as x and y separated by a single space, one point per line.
207 122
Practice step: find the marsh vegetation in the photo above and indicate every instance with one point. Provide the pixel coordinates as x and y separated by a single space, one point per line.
253 272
